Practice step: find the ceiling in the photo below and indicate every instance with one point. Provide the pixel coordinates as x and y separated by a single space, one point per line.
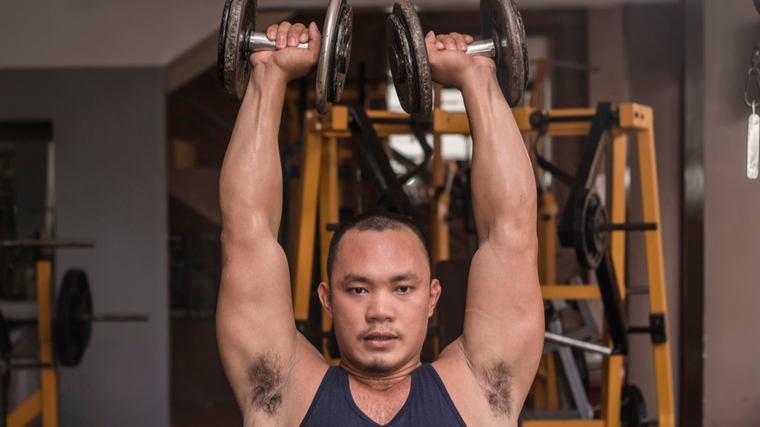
145 33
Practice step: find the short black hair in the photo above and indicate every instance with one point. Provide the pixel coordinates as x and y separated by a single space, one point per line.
375 221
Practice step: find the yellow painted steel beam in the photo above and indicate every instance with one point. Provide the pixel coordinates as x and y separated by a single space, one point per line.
382 114
552 387
635 117
655 268
522 117
570 292
329 204
612 383
446 122
48 374
547 239
307 221
617 205
335 120
25 413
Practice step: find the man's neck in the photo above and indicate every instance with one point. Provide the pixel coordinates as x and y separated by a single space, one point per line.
380 382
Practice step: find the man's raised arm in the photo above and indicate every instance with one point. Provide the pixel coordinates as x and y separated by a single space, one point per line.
504 320
255 328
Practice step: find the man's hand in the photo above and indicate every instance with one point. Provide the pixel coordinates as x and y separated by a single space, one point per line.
449 64
287 62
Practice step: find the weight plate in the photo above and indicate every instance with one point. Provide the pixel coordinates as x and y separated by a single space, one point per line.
633 408
326 52
500 21
401 62
422 82
588 241
233 64
342 52
73 321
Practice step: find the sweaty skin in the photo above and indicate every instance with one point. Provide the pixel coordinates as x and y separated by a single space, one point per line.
381 293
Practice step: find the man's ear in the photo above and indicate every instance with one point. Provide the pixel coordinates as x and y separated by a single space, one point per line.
324 296
435 293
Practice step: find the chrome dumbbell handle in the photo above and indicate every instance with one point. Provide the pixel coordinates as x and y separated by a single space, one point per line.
259 41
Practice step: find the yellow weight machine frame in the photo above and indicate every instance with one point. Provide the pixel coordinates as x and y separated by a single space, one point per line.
320 189
44 402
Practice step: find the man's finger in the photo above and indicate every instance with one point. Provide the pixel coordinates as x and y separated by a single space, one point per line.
304 35
449 42
282 34
294 34
272 31
432 40
460 41
315 37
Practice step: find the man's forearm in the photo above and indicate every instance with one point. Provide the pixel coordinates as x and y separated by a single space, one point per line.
250 188
503 185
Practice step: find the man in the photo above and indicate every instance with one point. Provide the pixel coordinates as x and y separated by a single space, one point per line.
381 293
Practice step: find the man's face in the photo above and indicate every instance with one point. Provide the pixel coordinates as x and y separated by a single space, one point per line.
380 299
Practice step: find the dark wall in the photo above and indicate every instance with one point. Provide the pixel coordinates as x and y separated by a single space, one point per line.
109 130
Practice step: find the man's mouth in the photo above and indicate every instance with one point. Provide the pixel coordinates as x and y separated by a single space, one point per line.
379 340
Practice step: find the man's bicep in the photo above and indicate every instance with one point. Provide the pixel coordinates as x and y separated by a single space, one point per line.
504 321
256 332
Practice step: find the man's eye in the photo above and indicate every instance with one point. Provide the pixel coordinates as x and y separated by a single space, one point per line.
404 289
357 291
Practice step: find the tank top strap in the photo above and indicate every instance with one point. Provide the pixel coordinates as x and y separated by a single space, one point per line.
432 397
329 389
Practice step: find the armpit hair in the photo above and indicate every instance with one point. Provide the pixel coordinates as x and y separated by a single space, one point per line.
498 387
266 377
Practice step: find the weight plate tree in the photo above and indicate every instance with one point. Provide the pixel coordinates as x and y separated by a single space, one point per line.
238 40
504 41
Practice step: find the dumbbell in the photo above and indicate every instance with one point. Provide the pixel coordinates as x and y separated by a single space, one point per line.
503 40
238 40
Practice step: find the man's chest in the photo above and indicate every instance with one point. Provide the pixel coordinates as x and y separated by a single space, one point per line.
381 407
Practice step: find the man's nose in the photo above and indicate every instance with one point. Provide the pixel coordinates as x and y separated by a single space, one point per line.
381 307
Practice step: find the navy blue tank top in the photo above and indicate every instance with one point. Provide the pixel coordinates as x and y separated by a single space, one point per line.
428 404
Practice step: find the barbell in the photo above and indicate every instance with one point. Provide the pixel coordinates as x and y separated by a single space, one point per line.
503 40
238 40
72 323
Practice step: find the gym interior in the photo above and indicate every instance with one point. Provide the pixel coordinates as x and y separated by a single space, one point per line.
638 115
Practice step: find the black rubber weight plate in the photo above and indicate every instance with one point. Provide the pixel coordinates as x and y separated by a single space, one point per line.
633 408
405 9
342 51
401 62
500 19
73 321
233 65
